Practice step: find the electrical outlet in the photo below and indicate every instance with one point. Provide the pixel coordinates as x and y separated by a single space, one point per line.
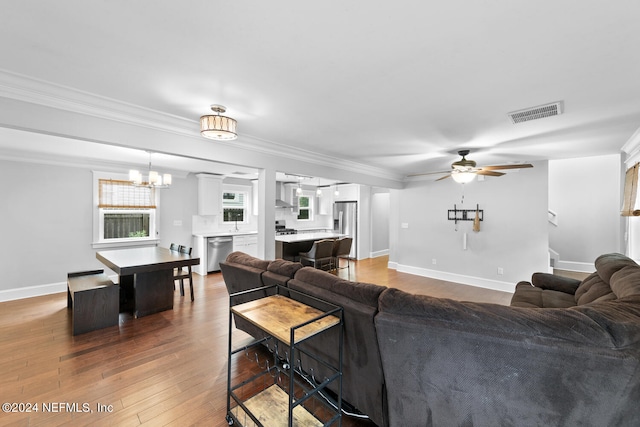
500 271
404 225
177 223
433 261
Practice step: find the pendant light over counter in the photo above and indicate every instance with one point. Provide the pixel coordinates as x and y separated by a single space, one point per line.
217 126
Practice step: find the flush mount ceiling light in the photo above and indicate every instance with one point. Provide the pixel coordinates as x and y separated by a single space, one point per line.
218 127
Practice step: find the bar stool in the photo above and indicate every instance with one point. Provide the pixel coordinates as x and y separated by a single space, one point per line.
320 254
341 249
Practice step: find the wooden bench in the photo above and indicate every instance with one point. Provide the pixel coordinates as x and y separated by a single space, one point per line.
93 299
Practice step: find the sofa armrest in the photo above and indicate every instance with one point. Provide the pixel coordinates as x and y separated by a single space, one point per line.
239 278
553 282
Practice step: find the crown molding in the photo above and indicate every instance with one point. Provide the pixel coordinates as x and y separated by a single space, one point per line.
36 91
40 92
632 149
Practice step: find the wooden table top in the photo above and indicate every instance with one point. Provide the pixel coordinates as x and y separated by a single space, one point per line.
277 314
141 260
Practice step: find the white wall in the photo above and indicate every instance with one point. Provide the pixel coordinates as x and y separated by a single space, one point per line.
513 235
586 195
380 206
177 206
46 224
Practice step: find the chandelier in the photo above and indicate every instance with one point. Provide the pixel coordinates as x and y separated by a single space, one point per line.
215 126
154 180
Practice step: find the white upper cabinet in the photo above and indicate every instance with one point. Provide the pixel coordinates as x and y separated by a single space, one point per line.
209 194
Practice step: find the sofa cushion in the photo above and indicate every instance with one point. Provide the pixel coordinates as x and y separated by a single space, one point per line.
284 267
592 289
626 281
280 272
596 287
608 264
246 259
531 296
365 293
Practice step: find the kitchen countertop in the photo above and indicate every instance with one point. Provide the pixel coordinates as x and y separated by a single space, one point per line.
225 233
302 237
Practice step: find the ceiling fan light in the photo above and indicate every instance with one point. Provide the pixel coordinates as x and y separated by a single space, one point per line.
462 177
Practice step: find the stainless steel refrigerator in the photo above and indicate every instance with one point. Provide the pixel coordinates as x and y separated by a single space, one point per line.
345 221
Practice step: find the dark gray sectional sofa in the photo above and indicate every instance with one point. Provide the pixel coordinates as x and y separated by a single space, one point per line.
565 353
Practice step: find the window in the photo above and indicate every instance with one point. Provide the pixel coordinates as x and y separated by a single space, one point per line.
234 206
305 206
125 211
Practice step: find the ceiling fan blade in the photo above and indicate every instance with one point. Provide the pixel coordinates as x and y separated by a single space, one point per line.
444 177
489 173
428 173
498 167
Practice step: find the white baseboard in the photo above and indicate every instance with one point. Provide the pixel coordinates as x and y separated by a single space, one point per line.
379 253
583 267
32 291
454 277
39 290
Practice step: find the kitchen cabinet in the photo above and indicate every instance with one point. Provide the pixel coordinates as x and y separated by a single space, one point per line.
247 244
209 194
290 196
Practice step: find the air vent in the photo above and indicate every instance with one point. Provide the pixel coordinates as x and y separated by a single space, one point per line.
536 113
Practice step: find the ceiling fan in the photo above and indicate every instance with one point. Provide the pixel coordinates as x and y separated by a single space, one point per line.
464 170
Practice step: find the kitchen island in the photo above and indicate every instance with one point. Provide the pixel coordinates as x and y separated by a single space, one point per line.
289 246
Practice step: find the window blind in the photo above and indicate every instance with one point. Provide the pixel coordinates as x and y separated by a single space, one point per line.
629 207
124 195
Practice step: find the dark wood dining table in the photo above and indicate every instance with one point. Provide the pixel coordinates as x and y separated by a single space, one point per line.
146 277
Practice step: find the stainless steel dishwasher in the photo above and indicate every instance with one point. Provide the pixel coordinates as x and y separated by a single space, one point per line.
217 250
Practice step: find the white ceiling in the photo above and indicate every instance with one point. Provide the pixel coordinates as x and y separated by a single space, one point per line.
400 85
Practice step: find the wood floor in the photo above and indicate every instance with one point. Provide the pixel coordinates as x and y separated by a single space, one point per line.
166 369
